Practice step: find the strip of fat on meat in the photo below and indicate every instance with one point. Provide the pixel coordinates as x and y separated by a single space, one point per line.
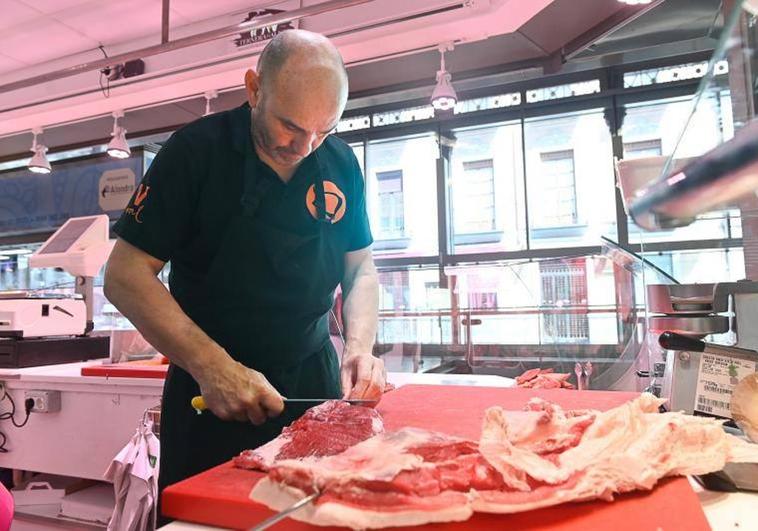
524 460
626 448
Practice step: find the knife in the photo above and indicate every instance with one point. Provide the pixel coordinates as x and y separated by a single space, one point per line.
198 402
268 522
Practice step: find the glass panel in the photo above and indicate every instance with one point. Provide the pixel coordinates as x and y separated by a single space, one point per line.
570 182
414 329
702 265
487 197
653 128
402 191
504 318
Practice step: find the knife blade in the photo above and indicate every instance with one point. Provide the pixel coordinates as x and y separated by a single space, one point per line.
198 402
353 401
268 522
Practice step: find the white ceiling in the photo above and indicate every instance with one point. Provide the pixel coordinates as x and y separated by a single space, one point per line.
43 36
37 31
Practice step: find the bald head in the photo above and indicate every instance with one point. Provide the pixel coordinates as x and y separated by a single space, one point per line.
296 97
299 53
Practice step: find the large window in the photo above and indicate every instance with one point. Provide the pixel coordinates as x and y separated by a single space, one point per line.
477 198
391 208
569 176
402 189
487 180
653 128
556 188
529 190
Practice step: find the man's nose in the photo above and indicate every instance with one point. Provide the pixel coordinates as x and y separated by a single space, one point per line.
303 144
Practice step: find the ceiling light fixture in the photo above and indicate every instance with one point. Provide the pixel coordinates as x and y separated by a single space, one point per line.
118 146
444 96
209 95
635 2
38 162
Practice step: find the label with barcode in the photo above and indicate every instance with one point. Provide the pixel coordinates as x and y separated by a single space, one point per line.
716 379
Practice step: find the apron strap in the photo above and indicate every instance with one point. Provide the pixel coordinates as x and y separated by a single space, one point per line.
320 202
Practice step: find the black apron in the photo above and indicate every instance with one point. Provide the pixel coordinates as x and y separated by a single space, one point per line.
266 301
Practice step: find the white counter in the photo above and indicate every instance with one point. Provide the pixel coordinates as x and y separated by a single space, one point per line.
98 416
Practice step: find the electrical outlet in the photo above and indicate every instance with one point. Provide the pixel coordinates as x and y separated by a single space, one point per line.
44 401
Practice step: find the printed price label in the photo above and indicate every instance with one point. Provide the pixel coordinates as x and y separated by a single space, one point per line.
716 379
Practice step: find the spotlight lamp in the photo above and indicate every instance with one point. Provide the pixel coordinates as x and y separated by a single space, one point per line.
118 146
444 96
38 162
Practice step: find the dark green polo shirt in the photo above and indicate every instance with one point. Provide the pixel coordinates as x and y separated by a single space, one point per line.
192 192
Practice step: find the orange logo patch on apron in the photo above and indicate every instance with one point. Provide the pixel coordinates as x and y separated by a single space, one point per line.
335 202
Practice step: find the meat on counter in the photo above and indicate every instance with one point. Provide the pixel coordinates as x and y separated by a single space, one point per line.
524 460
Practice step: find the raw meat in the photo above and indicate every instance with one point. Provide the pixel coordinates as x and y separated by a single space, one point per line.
407 477
544 379
327 429
524 460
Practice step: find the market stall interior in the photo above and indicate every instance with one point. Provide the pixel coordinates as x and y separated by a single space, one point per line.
562 197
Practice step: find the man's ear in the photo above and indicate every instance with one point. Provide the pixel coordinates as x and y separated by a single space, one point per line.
252 87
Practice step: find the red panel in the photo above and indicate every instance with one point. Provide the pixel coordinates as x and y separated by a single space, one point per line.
219 496
126 370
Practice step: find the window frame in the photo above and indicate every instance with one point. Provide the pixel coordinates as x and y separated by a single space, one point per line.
612 97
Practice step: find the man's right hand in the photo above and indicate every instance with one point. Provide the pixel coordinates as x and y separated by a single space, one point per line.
235 392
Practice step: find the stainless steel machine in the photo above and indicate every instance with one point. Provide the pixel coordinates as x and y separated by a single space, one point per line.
700 377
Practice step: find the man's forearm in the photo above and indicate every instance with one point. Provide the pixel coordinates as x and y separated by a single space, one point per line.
360 308
145 301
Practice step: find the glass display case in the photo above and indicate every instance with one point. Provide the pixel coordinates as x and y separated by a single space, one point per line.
576 314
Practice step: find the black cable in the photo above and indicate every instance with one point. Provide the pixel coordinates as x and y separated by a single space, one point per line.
28 405
105 72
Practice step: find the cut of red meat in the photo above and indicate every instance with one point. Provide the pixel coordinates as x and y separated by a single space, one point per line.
544 379
527 375
525 460
324 430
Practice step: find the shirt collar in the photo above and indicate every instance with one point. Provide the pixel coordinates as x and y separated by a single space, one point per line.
241 128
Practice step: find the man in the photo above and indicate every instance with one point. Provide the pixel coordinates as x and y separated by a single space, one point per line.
262 214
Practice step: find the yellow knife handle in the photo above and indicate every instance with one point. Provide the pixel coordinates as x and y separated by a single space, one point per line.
198 403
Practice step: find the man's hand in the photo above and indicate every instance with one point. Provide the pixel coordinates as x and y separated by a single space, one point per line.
235 392
363 377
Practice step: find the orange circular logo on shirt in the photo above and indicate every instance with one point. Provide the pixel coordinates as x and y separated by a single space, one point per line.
335 202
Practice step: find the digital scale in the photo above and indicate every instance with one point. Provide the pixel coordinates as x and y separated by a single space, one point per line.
47 328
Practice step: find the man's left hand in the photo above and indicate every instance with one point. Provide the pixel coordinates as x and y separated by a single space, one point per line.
363 377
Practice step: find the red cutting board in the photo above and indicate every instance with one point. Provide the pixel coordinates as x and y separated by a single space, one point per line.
130 369
219 496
